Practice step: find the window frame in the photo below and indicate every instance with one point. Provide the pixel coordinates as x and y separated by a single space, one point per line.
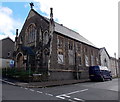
60 48
31 33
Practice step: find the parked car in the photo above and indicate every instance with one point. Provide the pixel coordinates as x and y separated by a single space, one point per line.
99 73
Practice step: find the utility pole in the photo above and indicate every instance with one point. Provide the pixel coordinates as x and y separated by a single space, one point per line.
116 65
119 67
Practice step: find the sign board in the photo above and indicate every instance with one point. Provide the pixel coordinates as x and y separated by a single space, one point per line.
12 62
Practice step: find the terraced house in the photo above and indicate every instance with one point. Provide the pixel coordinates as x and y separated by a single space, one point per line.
44 45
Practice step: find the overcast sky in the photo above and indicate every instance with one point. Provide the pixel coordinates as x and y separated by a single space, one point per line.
96 20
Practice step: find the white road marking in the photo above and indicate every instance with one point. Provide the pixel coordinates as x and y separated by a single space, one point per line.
46 94
32 90
60 97
71 100
66 96
7 82
79 99
50 94
26 88
76 92
39 92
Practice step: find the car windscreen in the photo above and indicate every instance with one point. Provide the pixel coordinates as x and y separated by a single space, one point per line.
94 69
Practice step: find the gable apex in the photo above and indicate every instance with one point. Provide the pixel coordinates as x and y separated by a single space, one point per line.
31 14
104 49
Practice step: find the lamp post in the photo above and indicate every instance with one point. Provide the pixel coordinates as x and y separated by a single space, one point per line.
116 65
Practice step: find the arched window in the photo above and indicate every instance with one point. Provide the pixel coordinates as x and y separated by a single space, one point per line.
45 37
31 33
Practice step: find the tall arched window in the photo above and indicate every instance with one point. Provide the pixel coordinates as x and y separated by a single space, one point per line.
31 33
45 37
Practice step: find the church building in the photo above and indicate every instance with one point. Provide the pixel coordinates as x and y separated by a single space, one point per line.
46 47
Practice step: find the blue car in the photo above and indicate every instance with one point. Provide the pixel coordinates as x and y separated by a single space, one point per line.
99 73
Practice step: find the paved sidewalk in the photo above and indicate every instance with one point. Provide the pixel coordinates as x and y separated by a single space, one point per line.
52 83
44 84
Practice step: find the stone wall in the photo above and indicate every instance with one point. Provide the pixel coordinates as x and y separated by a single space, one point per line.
67 71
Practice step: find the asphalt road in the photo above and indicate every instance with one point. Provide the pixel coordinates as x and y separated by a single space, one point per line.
81 92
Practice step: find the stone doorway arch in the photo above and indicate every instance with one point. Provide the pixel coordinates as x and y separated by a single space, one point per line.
19 58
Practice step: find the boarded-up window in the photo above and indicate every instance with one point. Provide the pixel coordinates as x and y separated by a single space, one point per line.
71 53
92 60
60 58
86 60
60 49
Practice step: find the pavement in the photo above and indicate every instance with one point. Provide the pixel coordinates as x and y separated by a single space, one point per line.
42 84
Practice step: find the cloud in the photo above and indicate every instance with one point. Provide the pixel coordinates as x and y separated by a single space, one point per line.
7 23
96 20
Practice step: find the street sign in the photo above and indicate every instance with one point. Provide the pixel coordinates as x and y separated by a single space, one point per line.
11 63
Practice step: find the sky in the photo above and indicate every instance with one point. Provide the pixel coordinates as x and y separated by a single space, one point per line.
96 20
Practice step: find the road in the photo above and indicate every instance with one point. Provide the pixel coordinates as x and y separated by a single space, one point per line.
80 92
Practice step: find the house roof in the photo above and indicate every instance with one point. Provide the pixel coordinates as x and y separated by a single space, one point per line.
7 38
72 34
105 51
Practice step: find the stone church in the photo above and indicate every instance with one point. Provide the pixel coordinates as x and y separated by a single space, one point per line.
43 45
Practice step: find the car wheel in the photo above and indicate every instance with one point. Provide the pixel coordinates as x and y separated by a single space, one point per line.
103 79
111 79
92 80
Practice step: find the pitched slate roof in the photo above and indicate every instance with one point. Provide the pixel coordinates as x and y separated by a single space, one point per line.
72 34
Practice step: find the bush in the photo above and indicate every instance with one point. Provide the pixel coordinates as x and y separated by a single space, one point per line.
23 75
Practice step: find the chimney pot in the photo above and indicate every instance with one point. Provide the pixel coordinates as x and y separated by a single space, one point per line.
51 13
16 32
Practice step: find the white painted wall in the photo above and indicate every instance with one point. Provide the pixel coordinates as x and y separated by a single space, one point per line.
4 63
110 62
104 56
